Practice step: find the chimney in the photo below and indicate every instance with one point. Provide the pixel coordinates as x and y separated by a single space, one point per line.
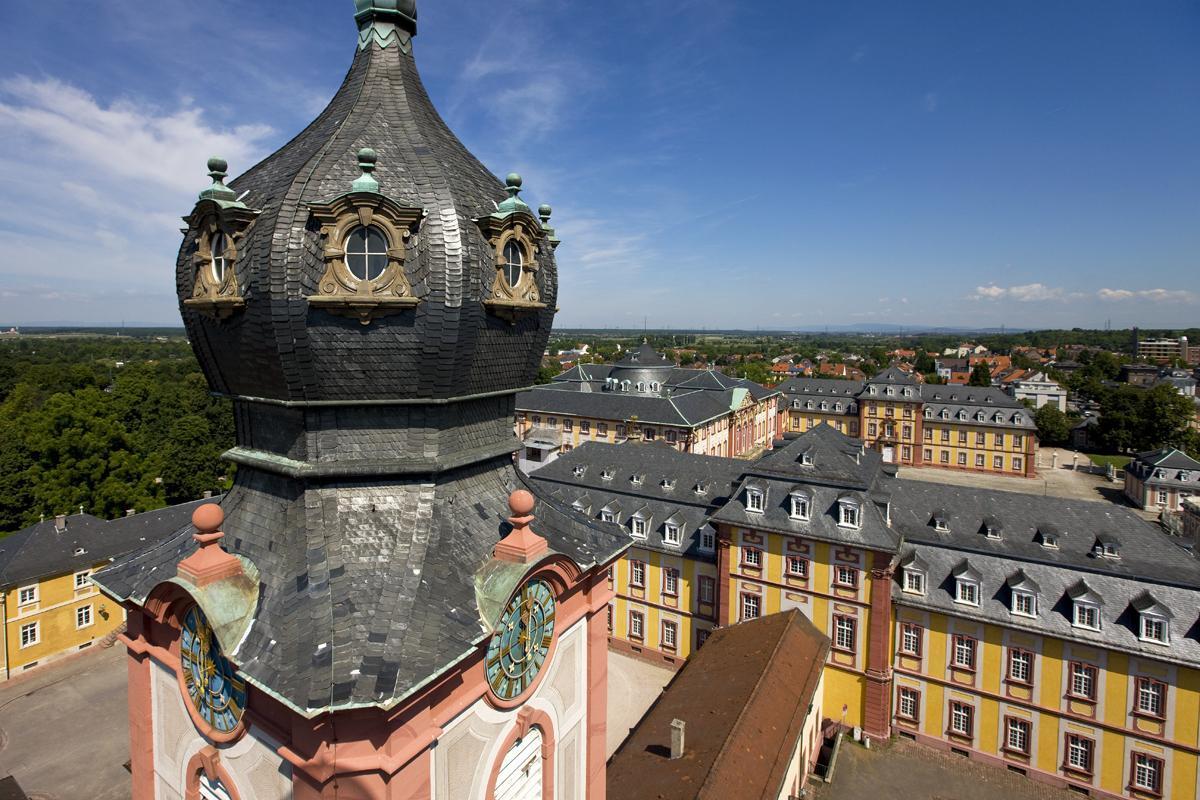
677 730
208 495
60 523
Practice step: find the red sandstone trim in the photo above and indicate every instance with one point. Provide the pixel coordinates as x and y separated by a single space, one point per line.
208 763
527 719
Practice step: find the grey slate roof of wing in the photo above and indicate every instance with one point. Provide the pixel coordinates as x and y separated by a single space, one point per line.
821 387
1145 552
1168 458
837 459
40 550
683 407
662 467
336 630
873 532
894 375
1119 616
985 396
1008 414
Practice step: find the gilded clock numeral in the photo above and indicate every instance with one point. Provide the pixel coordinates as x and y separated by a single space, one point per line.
524 635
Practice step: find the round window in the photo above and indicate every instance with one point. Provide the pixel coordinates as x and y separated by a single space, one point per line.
366 253
220 263
514 258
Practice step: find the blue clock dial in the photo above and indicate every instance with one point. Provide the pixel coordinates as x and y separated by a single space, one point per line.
213 686
522 641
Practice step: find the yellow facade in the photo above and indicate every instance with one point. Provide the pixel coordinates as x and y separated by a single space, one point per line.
1045 702
692 618
67 613
958 445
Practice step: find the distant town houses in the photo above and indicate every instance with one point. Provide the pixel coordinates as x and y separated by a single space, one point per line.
1036 387
1162 479
1166 351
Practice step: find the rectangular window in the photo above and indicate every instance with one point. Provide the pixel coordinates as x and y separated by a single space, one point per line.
81 580
1154 629
1083 681
1162 497
968 592
1087 617
962 459
27 595
979 460
999 440
752 557
980 439
1079 753
670 582
962 437
83 616
928 435
914 581
871 429
1023 604
706 590
638 527
1018 442
751 606
637 574
908 705
797 567
30 634
1020 666
844 633
946 435
708 539
910 639
1147 773
849 516
671 534
1018 464
602 429
670 635
610 618
637 625
672 437
890 411
754 501
964 652
551 421
997 462
620 430
846 577
944 456
928 454
1151 697
568 425
1016 739
649 434
907 431
906 453
962 719
611 574
585 428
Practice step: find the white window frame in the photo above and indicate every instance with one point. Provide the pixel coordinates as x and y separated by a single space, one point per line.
910 640
1081 752
752 556
964 652
1023 729
34 592
608 516
670 633
637 574
670 581
36 636
800 508
637 625
82 584
909 704
845 633
91 619
1151 624
1150 702
849 516
794 561
1017 597
755 501
637 527
1080 616
708 539
751 607
1083 676
1147 772
962 719
966 592
914 582
1024 657
672 534
851 573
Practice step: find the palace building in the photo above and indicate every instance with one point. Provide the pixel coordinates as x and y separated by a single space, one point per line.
1054 637
381 606
644 396
978 429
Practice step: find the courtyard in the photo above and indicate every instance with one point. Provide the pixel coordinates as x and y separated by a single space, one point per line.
905 769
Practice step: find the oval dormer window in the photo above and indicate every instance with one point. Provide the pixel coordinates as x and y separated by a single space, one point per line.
366 253
220 263
514 261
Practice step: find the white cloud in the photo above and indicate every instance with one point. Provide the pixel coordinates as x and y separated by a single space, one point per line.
1027 293
1152 295
91 193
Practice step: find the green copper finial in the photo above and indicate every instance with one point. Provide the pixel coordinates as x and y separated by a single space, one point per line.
544 212
385 22
366 162
218 168
514 202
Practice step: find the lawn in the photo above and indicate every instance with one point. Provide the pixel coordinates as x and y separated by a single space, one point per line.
1118 462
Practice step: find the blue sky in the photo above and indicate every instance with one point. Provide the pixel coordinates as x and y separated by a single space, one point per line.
711 164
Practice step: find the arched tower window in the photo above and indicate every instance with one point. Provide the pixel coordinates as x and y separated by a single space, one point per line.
514 263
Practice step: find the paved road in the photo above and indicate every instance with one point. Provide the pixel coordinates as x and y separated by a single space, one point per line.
64 729
633 686
915 772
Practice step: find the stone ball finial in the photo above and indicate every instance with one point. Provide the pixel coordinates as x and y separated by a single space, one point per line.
513 180
208 518
218 165
367 156
544 211
521 503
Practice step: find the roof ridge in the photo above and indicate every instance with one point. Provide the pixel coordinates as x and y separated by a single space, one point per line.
745 706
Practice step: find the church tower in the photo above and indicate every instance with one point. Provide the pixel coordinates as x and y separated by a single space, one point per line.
380 607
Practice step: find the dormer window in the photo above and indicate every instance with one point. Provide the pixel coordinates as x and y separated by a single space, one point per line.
1024 604
580 471
700 489
941 521
929 413
945 413
824 405
998 417
1107 546
606 474
908 392
806 459
366 253
607 516
514 262
641 386
1153 629
755 500
796 404
800 507
1086 616
637 526
848 513
637 479
1049 536
668 484
962 416
220 258
890 391
1018 419
992 528
914 581
966 592
672 533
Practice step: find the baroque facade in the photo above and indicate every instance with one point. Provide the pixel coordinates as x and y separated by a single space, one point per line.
644 396
1052 636
977 429
380 606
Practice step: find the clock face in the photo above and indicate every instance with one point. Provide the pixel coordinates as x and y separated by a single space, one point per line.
522 641
213 687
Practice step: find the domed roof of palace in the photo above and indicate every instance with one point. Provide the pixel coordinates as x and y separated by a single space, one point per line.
380 133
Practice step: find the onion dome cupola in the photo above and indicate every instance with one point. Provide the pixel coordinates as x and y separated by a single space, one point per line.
373 257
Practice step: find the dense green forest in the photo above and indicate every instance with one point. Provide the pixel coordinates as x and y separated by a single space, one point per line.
108 424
